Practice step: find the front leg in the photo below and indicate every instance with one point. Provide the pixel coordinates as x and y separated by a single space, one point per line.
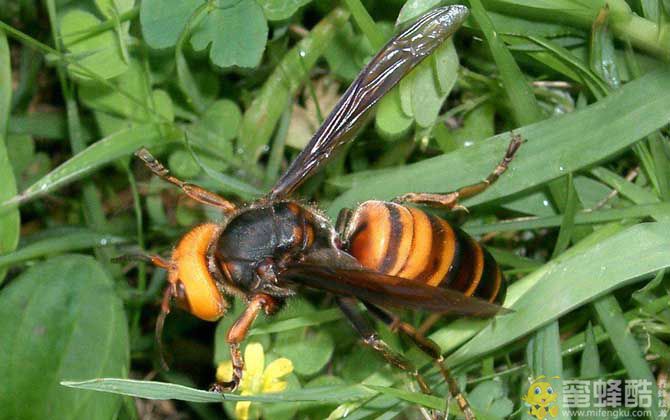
236 335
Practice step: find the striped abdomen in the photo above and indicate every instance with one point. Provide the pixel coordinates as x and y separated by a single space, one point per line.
410 243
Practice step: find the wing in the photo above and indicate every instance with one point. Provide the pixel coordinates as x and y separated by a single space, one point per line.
401 54
340 274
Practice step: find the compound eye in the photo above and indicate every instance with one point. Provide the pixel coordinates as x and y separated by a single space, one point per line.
537 390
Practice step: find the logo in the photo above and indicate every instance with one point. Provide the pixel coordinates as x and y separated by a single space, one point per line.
541 398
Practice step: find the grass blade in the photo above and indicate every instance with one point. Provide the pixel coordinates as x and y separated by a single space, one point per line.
69 241
107 150
167 391
629 352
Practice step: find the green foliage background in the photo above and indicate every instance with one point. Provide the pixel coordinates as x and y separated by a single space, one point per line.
226 92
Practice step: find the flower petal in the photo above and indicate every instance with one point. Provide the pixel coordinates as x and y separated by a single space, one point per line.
275 386
254 360
224 372
242 410
278 368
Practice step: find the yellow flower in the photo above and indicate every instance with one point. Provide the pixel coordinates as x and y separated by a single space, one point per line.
256 377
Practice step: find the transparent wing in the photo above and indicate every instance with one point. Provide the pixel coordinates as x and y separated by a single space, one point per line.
400 55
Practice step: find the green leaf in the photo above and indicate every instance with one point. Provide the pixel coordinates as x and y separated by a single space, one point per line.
10 222
107 150
488 399
165 391
308 350
133 82
69 240
61 319
100 53
217 127
581 276
301 321
164 20
432 81
349 51
554 147
590 363
543 355
319 410
657 211
21 152
182 165
626 188
603 55
626 25
627 349
478 125
281 9
390 120
414 8
234 31
113 8
429 401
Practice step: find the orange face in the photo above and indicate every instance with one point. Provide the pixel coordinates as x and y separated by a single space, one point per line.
194 287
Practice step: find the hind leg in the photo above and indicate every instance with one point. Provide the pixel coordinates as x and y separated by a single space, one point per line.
451 200
371 338
430 348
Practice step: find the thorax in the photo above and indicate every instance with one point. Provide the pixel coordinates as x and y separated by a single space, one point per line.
280 232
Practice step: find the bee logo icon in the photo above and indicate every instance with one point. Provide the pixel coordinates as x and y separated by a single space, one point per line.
541 398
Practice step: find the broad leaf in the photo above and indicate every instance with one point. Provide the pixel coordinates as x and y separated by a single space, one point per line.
235 32
164 20
60 320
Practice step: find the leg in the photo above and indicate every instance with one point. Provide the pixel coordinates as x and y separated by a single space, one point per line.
370 337
450 200
238 333
427 346
197 193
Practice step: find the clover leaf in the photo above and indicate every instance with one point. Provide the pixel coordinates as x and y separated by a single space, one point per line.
235 31
164 20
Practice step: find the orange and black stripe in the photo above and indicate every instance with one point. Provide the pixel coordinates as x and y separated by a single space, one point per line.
410 243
